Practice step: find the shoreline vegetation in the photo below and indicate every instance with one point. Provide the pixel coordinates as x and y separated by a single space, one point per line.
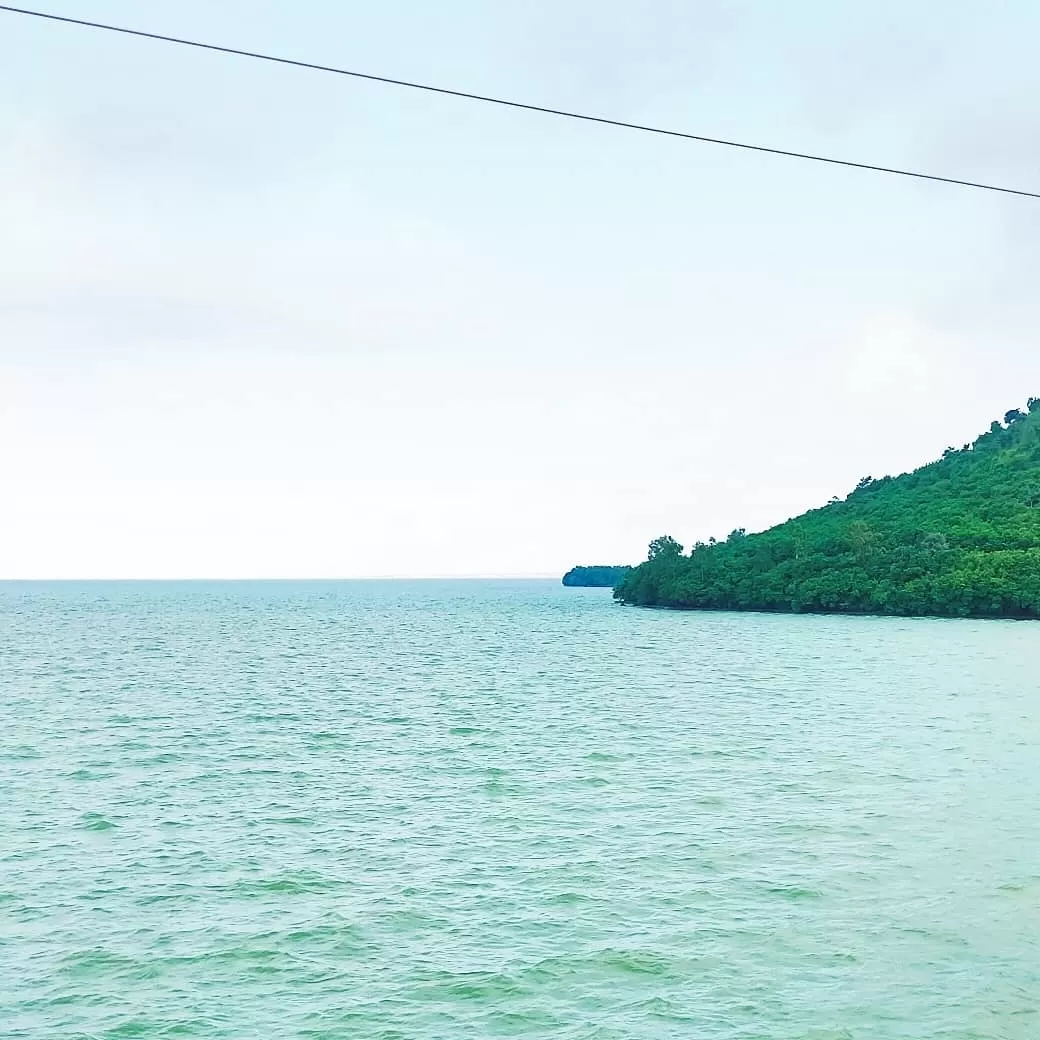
958 537
597 577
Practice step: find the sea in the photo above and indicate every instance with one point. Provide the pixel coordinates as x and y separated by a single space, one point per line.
448 810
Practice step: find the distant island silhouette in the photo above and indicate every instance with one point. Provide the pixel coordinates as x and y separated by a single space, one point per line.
599 577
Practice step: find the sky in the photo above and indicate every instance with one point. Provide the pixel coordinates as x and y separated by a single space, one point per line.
263 322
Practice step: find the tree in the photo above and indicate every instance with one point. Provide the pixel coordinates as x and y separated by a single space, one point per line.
1013 416
862 538
1034 404
664 547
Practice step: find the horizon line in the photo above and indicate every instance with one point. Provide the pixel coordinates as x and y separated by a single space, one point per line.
213 578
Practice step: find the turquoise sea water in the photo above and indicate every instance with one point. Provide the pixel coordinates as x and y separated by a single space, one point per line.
428 811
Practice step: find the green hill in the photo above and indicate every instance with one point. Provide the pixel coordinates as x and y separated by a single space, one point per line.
959 537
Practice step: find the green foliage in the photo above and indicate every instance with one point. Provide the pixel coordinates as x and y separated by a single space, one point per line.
664 547
599 577
959 537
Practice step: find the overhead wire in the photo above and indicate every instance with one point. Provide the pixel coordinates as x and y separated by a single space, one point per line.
521 105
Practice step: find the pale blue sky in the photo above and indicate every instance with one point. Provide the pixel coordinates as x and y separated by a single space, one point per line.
263 322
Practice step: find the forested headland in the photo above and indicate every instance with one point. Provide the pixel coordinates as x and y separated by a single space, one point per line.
959 537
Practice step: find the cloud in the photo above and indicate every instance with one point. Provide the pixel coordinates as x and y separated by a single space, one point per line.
91 256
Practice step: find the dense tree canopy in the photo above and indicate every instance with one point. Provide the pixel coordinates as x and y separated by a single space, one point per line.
959 537
600 577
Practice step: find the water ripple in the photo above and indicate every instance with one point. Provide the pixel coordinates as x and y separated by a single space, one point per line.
418 811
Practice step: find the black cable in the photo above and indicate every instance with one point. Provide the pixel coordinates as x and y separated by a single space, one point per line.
519 104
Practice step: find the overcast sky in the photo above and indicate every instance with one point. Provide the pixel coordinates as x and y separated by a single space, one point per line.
262 322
